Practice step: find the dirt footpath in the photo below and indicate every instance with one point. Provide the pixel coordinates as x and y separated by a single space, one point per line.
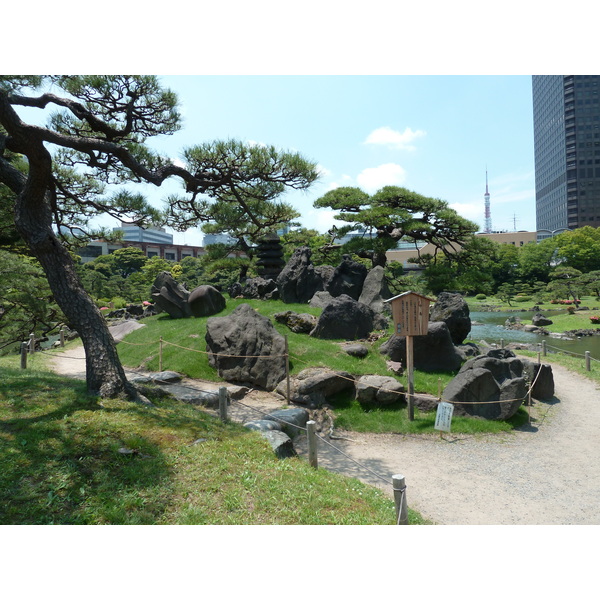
545 474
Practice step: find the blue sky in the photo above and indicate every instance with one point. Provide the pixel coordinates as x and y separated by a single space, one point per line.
433 134
423 96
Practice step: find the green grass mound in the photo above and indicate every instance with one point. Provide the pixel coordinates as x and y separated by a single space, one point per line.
66 458
184 351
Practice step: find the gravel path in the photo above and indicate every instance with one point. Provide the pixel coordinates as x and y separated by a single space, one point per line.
548 473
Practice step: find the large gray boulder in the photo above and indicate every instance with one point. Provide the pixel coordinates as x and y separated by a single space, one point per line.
298 281
292 421
321 299
491 386
452 309
541 377
313 387
170 296
245 347
259 288
539 320
205 301
378 390
432 352
344 318
297 322
375 290
348 278
281 443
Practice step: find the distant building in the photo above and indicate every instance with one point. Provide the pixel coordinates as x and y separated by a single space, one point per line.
133 233
218 238
566 128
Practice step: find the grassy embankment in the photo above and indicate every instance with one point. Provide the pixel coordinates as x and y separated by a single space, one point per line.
305 351
66 458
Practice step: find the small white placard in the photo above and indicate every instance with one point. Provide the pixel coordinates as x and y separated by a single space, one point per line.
443 417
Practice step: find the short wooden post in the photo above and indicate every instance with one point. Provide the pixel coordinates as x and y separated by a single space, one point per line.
160 353
23 355
544 350
529 404
287 368
399 486
588 362
410 377
539 358
312 444
223 404
62 337
31 343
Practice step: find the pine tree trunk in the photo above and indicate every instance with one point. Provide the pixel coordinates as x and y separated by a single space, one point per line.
104 373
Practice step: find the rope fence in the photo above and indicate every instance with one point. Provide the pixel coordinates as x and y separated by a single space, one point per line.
587 356
398 481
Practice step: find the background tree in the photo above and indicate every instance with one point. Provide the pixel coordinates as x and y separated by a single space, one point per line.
395 213
536 261
98 136
566 282
26 303
580 248
591 283
469 270
324 252
128 260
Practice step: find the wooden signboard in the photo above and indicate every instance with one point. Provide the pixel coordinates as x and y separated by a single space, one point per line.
410 312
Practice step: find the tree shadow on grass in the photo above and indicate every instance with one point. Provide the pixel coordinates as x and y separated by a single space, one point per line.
66 460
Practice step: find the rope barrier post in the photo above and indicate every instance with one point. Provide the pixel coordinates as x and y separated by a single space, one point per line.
160 352
23 355
544 350
287 368
312 444
223 404
588 363
399 486
439 398
410 377
529 403
31 343
62 336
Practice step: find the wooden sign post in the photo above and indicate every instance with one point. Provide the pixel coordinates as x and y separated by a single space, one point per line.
410 312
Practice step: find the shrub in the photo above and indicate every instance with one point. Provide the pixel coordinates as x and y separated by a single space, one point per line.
119 302
595 320
522 299
480 297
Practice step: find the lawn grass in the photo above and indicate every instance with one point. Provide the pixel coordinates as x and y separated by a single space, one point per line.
351 416
141 350
67 458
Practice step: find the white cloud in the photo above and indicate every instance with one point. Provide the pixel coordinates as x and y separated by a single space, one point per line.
321 219
255 143
323 171
469 210
374 178
386 136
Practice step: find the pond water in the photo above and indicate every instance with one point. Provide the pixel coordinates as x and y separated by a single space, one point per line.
492 330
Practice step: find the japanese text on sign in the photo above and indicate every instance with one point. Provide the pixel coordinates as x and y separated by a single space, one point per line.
443 417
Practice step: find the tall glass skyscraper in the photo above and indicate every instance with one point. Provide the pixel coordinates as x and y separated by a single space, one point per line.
566 130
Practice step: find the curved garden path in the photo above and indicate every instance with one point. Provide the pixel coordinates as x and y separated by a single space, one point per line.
547 473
